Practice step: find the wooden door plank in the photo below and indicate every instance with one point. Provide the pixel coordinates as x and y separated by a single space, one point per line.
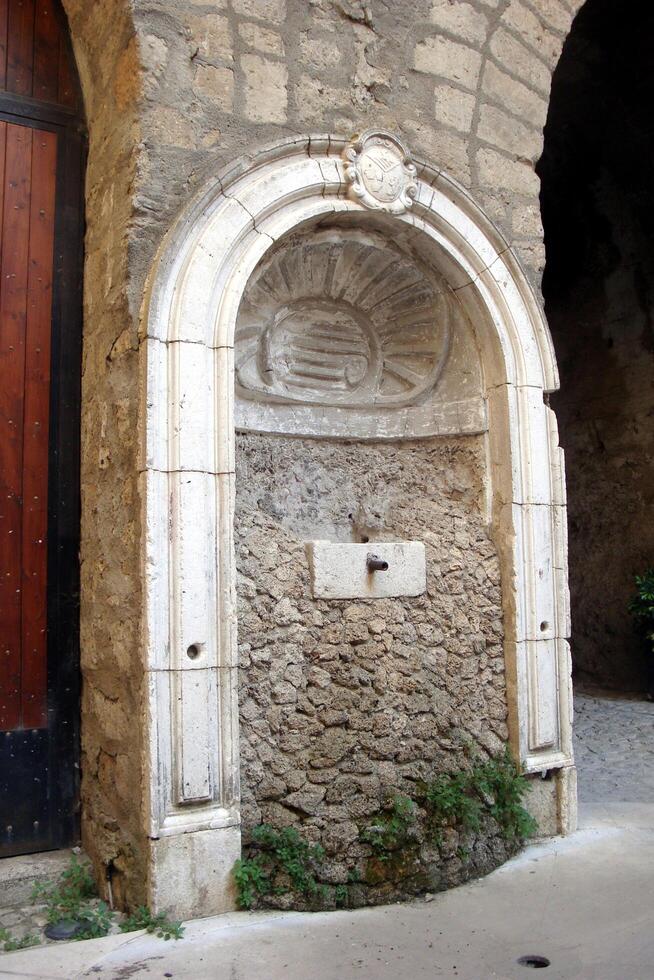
4 11
20 47
34 680
46 52
67 94
13 298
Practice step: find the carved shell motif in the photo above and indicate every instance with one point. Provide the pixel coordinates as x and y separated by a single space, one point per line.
341 318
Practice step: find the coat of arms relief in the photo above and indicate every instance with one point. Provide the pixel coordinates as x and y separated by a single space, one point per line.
380 171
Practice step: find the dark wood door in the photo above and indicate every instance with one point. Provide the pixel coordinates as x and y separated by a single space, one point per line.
41 157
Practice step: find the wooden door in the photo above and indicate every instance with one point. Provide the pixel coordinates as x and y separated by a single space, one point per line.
41 157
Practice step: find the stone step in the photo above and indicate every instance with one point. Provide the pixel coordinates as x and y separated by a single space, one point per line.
18 875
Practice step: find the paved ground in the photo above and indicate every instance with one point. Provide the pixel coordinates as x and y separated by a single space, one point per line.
585 902
614 749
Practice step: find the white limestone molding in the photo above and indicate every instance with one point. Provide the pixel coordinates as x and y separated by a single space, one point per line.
188 327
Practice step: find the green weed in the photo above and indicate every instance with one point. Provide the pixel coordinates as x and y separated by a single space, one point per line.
11 943
393 829
159 925
74 897
278 851
503 788
642 605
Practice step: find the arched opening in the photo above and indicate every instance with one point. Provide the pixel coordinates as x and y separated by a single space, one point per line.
279 208
598 207
41 222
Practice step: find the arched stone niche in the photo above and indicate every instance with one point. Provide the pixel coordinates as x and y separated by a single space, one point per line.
348 329
223 283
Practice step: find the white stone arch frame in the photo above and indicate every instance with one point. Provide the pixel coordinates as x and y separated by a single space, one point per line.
188 483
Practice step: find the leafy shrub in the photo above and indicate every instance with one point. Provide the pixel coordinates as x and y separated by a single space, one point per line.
642 605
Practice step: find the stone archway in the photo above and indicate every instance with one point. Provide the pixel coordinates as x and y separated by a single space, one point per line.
596 202
188 473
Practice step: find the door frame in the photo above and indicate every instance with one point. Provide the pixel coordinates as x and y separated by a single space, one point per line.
63 563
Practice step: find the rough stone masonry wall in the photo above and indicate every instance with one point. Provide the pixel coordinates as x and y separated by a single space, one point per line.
111 766
175 90
345 703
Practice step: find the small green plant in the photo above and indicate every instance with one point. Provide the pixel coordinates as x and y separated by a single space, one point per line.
503 787
451 798
73 898
251 881
340 896
642 605
96 919
11 943
65 899
159 925
278 851
393 829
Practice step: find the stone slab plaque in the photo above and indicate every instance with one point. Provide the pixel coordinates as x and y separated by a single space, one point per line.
343 570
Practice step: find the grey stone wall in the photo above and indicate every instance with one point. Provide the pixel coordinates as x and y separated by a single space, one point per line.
465 83
345 703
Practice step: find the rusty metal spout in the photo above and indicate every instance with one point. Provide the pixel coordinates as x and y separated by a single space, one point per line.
376 564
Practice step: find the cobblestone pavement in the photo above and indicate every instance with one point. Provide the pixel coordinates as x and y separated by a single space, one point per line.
614 748
25 924
22 922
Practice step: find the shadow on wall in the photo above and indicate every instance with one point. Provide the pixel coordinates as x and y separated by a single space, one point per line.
597 203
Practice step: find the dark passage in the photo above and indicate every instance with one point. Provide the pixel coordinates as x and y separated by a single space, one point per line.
597 173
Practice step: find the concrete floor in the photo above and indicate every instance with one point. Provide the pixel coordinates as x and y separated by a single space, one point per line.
585 902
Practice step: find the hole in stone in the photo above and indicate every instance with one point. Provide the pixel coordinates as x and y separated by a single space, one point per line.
194 651
534 962
364 539
544 626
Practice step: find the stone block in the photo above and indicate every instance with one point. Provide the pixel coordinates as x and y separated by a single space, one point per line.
191 874
457 62
519 60
340 571
541 802
271 10
266 95
261 39
513 95
532 31
497 171
460 19
555 14
211 35
453 108
508 134
216 84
